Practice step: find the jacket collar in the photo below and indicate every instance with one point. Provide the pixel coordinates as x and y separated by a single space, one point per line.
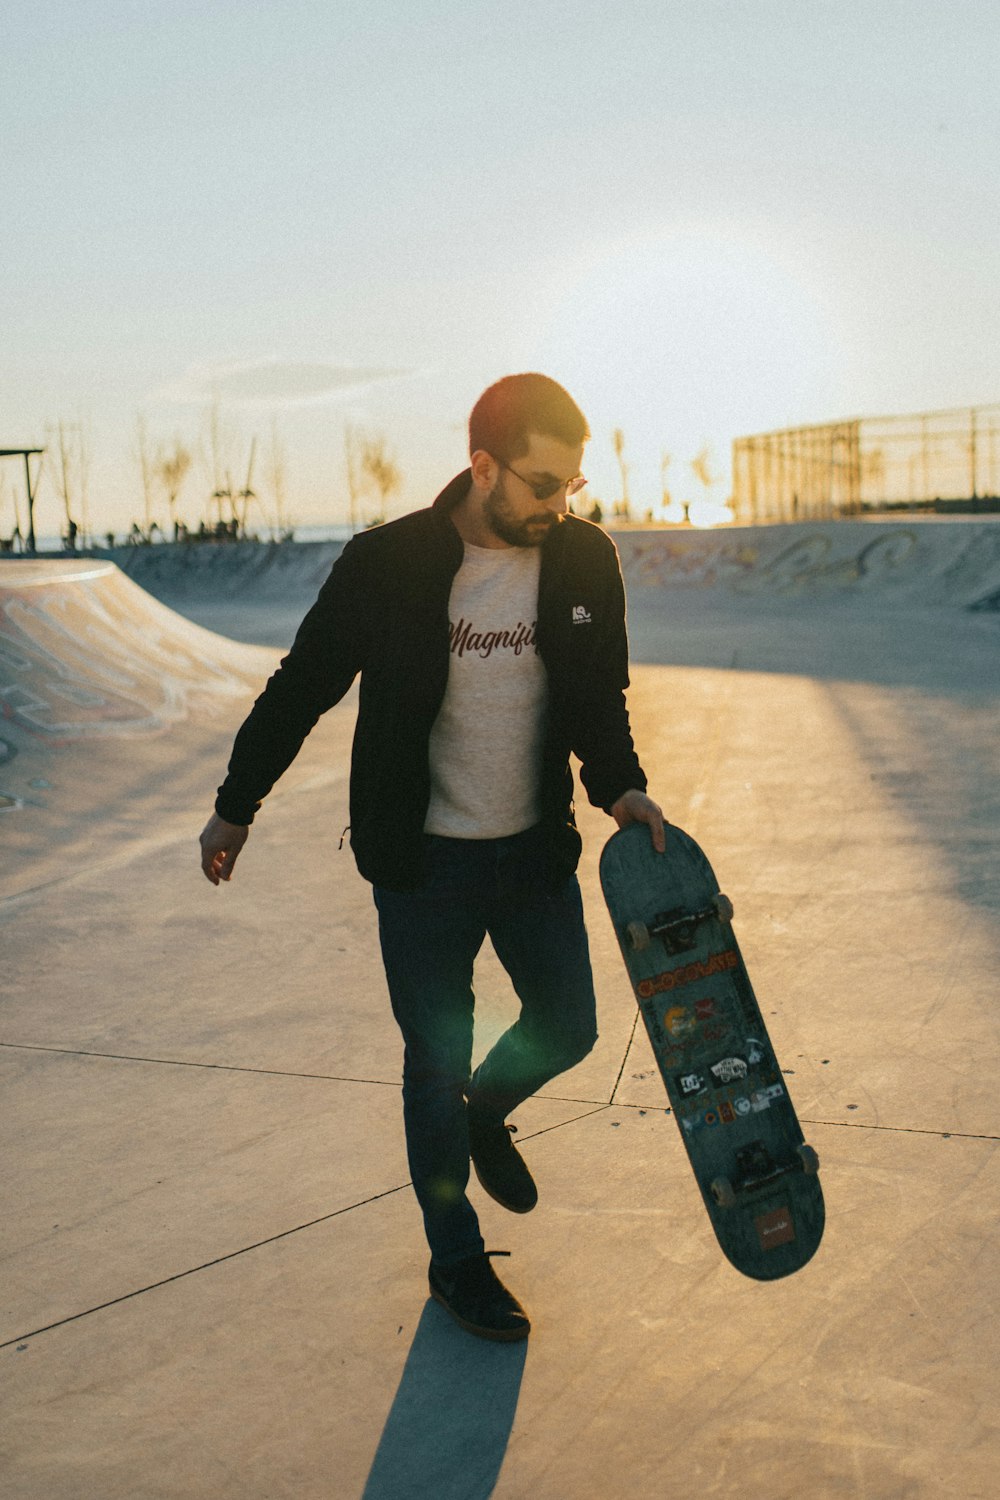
456 489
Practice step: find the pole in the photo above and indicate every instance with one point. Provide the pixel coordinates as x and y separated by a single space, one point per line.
31 503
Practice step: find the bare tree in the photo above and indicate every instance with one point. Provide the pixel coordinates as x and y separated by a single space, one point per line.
246 493
71 475
16 535
618 439
664 491
701 468
352 466
83 456
66 477
215 444
146 466
172 466
378 465
223 442
277 477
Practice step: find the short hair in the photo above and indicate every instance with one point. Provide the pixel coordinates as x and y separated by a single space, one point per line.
508 412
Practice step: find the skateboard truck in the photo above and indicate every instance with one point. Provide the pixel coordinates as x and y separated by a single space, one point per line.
677 928
756 1168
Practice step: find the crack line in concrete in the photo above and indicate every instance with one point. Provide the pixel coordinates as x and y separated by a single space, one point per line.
205 1266
944 1135
183 1062
600 1108
599 1104
628 1049
258 1244
657 1109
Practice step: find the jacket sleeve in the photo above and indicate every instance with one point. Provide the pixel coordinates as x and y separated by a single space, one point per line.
602 735
326 656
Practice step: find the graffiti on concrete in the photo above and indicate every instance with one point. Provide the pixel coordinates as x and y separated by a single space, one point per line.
92 655
658 559
809 562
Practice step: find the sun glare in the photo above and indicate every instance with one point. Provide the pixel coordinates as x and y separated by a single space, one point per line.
683 342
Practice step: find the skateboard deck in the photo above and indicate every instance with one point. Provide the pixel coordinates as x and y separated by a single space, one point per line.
757 1176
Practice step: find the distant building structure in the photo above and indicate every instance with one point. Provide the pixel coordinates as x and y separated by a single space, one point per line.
945 461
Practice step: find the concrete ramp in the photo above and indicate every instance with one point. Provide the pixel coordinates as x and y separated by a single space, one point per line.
886 603
110 702
85 653
267 572
925 563
259 592
247 590
953 563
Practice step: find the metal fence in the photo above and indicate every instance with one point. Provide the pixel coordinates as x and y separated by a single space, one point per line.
943 460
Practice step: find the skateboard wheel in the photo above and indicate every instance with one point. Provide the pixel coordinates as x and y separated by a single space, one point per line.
809 1159
723 1192
637 934
723 907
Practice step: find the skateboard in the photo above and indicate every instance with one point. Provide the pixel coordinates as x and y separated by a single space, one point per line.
757 1175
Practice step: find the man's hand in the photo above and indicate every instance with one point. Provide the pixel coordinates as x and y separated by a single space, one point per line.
221 843
636 807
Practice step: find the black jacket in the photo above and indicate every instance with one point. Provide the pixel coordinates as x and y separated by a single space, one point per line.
383 612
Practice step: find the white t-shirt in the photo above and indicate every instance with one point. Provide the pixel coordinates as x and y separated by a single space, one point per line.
486 743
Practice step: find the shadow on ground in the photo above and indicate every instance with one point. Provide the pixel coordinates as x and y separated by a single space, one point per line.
853 639
447 1432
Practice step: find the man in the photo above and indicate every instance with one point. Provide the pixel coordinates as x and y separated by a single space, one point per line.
489 634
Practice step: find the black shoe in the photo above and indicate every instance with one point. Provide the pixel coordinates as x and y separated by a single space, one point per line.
478 1300
499 1165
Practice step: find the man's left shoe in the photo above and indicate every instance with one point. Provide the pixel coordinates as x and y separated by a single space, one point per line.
499 1165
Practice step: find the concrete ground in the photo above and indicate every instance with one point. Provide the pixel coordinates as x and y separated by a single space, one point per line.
213 1268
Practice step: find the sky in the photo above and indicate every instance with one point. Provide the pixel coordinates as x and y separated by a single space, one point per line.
707 218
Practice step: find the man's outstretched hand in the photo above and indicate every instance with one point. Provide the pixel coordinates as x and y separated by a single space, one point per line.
221 843
636 807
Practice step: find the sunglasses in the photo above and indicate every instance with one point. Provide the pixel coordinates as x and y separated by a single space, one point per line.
550 487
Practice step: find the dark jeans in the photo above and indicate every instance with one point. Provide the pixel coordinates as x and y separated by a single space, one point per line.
430 938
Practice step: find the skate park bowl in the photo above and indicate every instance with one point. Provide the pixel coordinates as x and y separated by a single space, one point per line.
214 1270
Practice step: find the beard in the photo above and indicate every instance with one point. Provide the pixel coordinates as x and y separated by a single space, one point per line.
523 531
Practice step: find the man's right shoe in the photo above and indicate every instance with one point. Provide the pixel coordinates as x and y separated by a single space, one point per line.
478 1300
499 1165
